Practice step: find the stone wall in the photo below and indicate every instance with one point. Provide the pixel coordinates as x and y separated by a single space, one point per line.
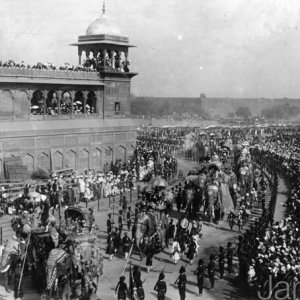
78 151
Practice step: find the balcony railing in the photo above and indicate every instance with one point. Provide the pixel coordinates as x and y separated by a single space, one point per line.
48 73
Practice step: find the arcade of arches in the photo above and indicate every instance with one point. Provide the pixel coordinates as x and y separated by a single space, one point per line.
70 102
77 159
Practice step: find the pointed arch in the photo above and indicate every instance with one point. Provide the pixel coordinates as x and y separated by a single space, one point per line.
91 103
70 160
83 159
96 159
57 160
28 161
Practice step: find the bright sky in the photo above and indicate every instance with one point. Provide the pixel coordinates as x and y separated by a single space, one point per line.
234 48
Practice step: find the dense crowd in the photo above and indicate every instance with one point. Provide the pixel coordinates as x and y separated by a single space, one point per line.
89 65
265 250
270 250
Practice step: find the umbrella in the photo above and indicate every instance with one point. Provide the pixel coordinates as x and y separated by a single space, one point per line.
160 182
78 102
35 107
34 195
87 106
211 134
66 64
245 144
147 188
215 164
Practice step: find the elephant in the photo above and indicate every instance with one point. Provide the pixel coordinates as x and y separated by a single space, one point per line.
213 205
145 227
12 252
59 267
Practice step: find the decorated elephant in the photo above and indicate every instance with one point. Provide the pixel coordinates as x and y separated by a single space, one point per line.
88 264
59 267
213 201
12 251
148 224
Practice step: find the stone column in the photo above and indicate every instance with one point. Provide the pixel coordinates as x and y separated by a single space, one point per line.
72 93
30 94
85 95
80 56
59 98
113 54
104 56
45 93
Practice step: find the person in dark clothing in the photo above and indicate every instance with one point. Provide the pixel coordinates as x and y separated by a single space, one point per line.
192 250
181 282
136 274
161 287
149 253
178 199
126 242
120 222
229 257
140 291
128 218
111 244
171 230
121 290
200 272
109 224
221 262
211 271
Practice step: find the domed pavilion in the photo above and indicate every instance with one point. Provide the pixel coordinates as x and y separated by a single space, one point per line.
69 117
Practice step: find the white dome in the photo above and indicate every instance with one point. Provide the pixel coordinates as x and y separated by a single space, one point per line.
103 25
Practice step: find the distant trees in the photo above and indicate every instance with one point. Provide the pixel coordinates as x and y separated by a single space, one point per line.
284 111
243 112
165 107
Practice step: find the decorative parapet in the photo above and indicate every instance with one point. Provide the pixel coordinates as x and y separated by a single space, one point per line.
47 73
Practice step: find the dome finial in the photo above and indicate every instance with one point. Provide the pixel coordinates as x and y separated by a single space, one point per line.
103 8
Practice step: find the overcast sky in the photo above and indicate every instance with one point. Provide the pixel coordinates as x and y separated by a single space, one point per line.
234 48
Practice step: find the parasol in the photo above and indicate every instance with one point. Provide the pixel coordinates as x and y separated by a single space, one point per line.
34 194
160 182
79 102
35 107
245 144
215 164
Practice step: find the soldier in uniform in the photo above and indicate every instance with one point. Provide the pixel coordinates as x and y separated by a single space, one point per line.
120 222
109 223
136 274
229 257
181 282
128 217
221 262
126 245
121 289
140 290
161 287
200 272
211 271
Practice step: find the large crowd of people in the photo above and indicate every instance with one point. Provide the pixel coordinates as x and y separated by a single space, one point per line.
265 249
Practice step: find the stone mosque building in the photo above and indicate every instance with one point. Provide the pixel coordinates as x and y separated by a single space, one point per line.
70 117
